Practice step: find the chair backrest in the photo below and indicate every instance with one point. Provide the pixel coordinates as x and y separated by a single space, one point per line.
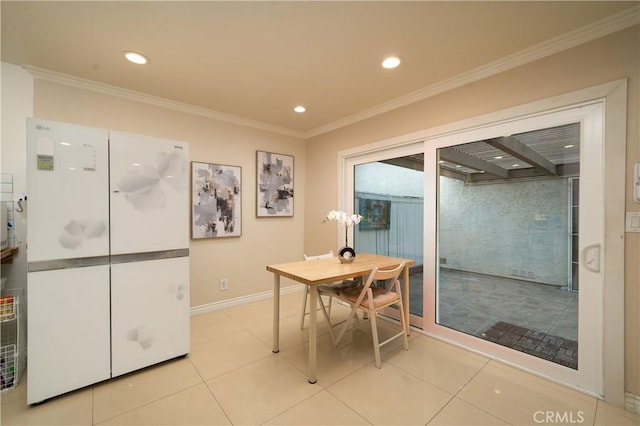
319 256
383 274
390 275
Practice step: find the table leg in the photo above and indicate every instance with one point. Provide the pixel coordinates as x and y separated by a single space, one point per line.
313 340
276 313
405 297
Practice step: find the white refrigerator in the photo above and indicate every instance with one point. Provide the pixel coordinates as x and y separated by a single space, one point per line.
108 266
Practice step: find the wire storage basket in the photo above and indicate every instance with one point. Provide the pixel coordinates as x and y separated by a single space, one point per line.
7 308
12 338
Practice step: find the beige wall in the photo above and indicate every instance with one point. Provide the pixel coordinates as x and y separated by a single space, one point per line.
241 260
610 58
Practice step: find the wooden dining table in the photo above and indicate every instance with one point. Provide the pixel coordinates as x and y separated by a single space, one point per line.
326 271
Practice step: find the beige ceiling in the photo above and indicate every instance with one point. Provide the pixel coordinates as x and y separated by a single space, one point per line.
255 61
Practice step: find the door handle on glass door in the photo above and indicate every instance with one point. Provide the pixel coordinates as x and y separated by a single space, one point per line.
591 257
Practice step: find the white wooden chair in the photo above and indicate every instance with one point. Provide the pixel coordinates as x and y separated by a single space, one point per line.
372 300
328 290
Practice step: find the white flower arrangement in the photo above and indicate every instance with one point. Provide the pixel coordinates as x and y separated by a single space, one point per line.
345 219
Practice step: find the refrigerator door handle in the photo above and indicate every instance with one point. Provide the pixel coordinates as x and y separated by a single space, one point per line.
151 255
78 262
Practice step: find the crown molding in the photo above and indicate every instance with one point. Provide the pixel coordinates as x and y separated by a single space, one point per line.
601 28
81 83
593 31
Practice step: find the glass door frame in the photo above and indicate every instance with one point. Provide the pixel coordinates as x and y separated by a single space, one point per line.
613 97
588 376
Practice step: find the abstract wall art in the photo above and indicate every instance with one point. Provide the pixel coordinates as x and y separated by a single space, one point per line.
274 176
375 213
216 199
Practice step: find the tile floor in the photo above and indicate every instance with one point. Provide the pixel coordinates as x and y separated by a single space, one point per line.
473 302
231 377
489 299
479 304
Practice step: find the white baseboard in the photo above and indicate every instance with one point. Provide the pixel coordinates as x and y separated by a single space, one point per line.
238 301
632 403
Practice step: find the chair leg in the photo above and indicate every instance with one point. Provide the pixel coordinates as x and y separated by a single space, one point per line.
346 324
403 322
304 306
374 333
327 319
405 328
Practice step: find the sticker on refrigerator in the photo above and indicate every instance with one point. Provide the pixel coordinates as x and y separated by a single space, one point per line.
44 151
88 158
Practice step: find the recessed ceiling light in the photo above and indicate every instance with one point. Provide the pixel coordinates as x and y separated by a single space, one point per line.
136 58
300 109
458 166
391 62
498 157
515 165
569 146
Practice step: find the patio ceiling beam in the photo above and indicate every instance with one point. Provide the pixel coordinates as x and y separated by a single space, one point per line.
569 169
452 155
453 174
406 162
522 152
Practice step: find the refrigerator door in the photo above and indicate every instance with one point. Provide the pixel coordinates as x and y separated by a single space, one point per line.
149 312
149 194
67 179
69 334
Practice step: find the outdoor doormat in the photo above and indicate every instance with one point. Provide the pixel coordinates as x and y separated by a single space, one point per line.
534 342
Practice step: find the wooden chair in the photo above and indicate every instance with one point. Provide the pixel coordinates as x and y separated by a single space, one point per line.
372 300
328 290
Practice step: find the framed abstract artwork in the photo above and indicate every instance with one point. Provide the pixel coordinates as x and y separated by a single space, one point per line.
274 176
216 200
375 214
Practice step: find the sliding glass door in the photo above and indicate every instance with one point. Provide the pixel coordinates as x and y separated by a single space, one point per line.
387 188
514 211
505 238
389 194
502 233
